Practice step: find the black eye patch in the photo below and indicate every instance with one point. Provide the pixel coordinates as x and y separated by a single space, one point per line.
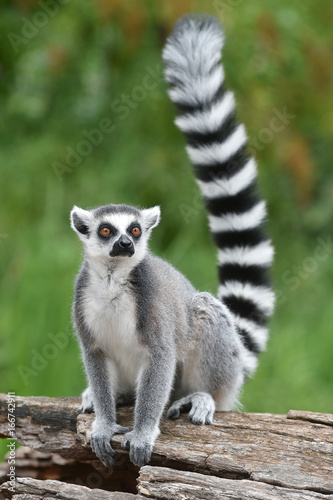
106 230
135 230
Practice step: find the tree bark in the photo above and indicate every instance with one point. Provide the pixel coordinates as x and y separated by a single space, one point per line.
34 489
162 483
274 456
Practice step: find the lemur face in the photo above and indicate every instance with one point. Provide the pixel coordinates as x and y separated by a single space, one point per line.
115 231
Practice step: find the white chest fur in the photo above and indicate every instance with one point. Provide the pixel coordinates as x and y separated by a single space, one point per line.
110 316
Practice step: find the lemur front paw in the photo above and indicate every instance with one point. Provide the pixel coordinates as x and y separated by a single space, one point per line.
140 448
100 440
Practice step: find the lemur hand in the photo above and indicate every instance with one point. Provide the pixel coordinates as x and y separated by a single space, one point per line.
140 447
100 438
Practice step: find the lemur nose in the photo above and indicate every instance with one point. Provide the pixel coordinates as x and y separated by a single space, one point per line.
125 242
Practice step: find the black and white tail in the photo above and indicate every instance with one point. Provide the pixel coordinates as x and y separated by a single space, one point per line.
225 173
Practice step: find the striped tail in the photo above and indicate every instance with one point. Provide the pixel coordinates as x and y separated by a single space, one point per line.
225 173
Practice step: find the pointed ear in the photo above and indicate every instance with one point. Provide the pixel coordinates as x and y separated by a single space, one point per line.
151 217
80 221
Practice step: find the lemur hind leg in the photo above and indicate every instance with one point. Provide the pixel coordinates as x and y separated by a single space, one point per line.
199 405
87 405
122 399
212 373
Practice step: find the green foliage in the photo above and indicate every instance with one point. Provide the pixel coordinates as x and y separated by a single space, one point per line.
70 75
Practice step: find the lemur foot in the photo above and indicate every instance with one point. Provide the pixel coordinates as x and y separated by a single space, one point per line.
139 446
100 440
87 405
200 405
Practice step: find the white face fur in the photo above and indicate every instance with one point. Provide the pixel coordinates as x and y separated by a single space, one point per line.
115 233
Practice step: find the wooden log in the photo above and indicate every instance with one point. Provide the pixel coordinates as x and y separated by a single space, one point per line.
38 465
34 489
159 483
168 484
310 416
293 452
32 463
45 424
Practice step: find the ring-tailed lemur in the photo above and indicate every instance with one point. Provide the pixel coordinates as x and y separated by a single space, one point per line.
145 332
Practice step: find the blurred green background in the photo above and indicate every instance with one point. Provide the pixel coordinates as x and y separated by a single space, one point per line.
66 67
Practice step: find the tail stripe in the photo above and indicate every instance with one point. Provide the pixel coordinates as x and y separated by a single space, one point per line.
258 255
209 120
218 152
199 90
235 222
258 335
244 238
223 170
248 341
238 203
245 274
232 185
244 308
227 128
226 176
261 296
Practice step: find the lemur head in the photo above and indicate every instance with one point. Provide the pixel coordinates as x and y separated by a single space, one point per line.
115 232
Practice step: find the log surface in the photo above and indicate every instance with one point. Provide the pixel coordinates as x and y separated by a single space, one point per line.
35 489
167 484
37 465
268 453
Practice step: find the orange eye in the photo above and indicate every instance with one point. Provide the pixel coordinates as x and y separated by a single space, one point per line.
105 231
135 231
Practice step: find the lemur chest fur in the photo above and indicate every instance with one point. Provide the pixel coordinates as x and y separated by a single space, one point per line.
111 318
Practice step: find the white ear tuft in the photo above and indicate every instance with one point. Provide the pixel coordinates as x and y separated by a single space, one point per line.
80 221
151 217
